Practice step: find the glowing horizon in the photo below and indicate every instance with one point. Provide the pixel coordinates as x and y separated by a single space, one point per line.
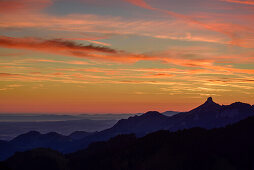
124 56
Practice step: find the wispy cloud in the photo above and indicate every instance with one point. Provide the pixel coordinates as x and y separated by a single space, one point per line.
15 85
50 45
228 29
240 2
106 25
21 6
8 75
69 48
59 61
140 3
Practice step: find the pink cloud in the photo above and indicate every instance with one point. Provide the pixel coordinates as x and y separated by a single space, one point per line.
24 6
231 30
240 2
140 3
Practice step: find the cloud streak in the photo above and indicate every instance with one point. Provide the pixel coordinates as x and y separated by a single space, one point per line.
240 2
105 25
228 29
8 75
23 6
52 46
72 49
140 3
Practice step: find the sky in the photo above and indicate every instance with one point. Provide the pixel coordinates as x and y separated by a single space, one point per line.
124 56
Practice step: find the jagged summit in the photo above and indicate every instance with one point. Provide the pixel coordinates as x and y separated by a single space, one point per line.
209 105
209 100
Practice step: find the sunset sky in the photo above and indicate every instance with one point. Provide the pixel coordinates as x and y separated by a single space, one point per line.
124 56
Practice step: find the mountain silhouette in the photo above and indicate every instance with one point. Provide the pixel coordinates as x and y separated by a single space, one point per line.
208 106
35 139
227 148
140 125
209 115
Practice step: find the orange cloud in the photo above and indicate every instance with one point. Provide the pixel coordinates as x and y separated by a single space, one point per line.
159 75
65 62
240 2
69 48
53 46
207 69
8 75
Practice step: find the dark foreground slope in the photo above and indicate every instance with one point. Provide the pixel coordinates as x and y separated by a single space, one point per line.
229 148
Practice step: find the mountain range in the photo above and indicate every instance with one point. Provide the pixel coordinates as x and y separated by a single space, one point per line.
12 125
208 115
226 148
10 130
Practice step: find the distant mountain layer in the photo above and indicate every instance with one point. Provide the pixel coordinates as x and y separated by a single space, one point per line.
34 139
208 115
12 125
9 130
229 148
10 117
170 113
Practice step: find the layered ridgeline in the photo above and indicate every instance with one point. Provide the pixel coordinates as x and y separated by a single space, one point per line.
228 148
208 115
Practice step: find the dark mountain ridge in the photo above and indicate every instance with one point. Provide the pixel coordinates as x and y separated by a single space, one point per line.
208 115
227 148
148 122
211 115
34 139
